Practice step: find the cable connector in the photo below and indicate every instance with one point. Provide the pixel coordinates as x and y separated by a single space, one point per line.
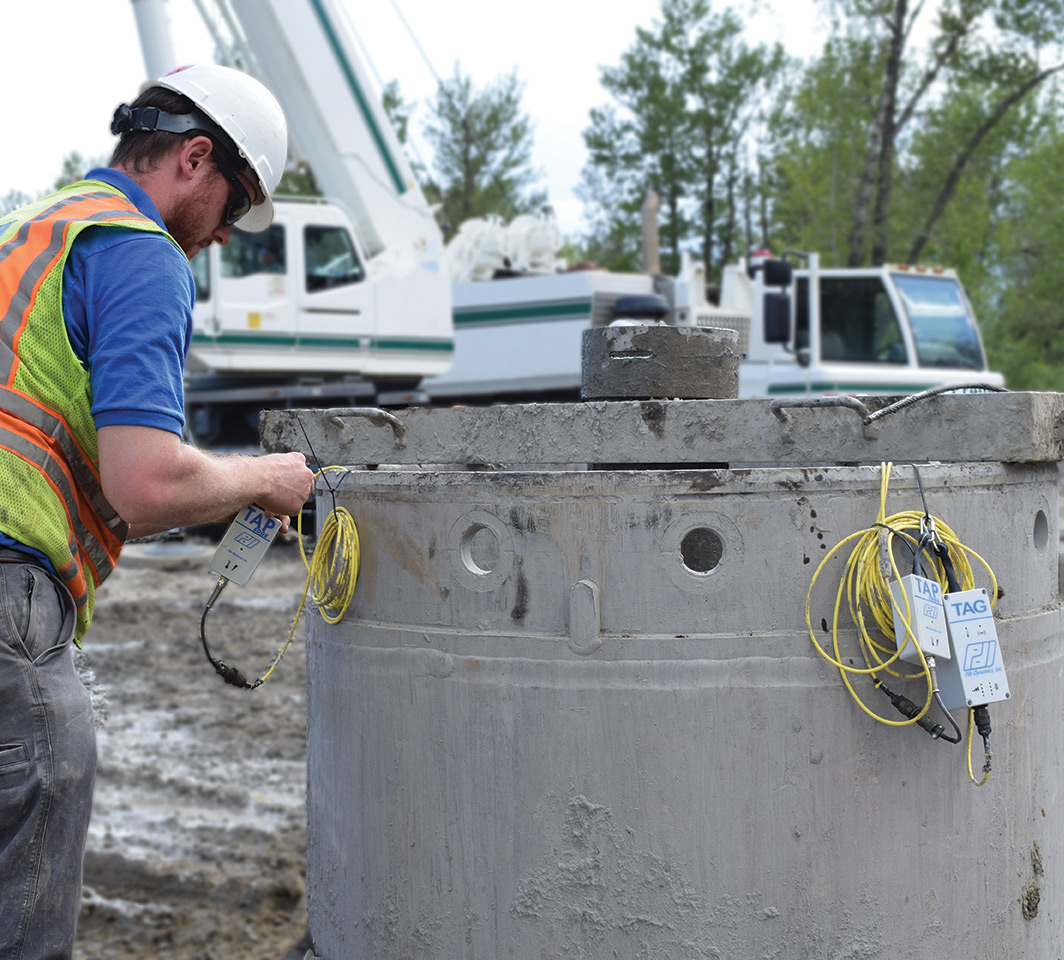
218 588
982 723
229 674
911 711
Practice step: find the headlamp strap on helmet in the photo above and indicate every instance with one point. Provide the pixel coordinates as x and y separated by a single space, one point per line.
129 119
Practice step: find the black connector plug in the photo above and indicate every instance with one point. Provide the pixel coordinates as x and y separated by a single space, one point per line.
908 709
231 675
982 720
981 716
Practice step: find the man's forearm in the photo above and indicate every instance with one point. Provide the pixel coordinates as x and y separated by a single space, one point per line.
156 482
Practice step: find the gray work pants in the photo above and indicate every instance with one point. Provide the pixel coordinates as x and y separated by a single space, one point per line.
47 765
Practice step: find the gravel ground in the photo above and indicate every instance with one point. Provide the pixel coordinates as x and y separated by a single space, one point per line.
197 844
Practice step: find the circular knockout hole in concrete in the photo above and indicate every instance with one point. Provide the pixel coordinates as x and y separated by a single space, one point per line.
480 549
701 549
1041 531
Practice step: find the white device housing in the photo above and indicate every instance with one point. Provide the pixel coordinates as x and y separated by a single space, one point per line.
976 675
244 544
926 618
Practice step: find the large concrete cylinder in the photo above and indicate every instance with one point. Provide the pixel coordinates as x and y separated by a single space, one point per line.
576 713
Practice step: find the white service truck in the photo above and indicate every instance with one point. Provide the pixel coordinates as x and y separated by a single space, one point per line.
354 299
893 329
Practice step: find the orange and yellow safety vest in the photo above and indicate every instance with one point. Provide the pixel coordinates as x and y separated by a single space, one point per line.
50 493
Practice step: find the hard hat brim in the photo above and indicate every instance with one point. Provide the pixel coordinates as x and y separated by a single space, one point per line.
258 218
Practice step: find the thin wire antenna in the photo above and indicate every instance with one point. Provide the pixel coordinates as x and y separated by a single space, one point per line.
321 473
920 484
417 43
410 144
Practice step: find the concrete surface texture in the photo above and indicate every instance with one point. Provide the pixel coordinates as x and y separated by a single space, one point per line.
659 361
578 713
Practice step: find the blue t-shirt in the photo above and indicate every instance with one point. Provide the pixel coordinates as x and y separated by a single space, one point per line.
127 301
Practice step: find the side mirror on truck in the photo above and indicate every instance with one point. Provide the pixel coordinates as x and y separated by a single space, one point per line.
777 273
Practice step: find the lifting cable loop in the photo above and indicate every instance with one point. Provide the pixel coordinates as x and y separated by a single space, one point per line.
777 406
375 415
933 392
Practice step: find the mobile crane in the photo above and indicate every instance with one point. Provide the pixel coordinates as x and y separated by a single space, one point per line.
354 298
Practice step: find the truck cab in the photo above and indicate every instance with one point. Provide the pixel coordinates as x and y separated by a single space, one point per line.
293 315
876 330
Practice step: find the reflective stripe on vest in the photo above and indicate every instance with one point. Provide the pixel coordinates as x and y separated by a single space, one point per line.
51 453
34 250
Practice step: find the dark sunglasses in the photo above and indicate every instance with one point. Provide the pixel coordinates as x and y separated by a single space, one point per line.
240 202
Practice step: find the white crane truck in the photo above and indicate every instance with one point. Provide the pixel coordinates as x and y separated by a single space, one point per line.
352 298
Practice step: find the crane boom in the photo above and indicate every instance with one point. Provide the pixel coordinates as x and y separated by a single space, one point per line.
304 50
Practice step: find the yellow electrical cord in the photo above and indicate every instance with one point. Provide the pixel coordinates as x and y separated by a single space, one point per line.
866 588
333 568
332 571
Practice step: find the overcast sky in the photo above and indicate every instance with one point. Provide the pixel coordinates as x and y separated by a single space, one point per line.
66 74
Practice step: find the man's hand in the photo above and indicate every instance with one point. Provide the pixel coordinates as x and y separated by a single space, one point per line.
292 483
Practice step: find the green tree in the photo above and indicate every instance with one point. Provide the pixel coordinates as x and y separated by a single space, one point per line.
299 181
482 152
987 55
688 102
815 154
73 169
1020 296
12 200
398 110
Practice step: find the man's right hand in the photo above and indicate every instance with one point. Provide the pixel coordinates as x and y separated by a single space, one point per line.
293 481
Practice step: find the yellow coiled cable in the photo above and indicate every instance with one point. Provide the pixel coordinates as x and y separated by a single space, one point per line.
332 570
868 595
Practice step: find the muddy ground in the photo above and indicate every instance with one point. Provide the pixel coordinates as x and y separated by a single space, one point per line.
197 844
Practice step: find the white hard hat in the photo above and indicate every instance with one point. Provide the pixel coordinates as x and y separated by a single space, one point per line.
252 119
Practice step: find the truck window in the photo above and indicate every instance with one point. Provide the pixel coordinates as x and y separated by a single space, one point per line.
247 254
857 322
331 258
201 275
943 327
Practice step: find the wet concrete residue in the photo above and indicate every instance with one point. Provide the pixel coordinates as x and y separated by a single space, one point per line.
1029 899
598 883
1031 895
707 481
520 607
522 520
653 413
1036 861
651 520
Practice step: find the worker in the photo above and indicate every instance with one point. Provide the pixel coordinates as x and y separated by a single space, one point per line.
96 298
